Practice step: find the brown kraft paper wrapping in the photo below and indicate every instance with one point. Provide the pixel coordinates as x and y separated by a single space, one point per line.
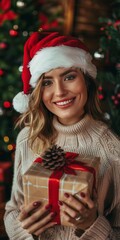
36 183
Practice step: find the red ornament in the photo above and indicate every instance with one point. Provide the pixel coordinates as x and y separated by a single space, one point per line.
116 102
3 45
117 24
1 72
109 23
118 95
101 96
13 33
118 66
113 97
102 28
116 99
7 104
100 88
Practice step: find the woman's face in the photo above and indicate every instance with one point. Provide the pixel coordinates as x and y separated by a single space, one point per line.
64 93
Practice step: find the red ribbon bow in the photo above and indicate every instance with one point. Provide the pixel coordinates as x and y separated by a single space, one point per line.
54 179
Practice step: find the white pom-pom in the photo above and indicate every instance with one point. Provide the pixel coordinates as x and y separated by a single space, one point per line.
21 102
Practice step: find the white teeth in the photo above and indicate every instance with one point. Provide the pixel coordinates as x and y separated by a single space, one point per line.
64 103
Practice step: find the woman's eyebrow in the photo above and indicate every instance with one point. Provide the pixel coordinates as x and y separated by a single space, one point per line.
47 77
67 71
61 74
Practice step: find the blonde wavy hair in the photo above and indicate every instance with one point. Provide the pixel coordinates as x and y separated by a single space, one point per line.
39 119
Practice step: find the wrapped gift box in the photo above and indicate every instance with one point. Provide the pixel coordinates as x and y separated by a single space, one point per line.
78 175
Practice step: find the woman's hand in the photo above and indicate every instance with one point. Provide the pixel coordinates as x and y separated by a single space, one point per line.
79 213
36 218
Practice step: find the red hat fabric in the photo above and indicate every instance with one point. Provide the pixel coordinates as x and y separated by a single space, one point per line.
44 51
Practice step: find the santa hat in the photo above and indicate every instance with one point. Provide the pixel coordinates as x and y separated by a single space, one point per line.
44 51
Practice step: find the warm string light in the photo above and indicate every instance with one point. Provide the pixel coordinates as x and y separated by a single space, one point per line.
10 147
15 27
25 33
1 111
99 54
20 68
20 4
6 139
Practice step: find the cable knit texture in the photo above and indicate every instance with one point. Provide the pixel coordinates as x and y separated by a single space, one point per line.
89 138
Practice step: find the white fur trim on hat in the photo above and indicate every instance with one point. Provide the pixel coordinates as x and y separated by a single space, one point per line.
21 102
60 56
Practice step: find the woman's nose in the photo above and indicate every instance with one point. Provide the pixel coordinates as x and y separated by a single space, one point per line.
60 89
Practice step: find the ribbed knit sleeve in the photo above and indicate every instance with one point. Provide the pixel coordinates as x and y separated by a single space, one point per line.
100 230
12 225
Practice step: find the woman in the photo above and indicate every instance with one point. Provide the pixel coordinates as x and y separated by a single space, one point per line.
63 109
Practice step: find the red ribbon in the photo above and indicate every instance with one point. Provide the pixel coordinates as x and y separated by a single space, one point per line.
54 180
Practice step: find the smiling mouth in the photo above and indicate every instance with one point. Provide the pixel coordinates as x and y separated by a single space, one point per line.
63 103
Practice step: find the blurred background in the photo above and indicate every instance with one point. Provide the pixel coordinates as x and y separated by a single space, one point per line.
95 22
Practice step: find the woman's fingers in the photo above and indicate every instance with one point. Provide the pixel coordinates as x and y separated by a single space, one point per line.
75 203
25 211
72 212
78 210
83 201
42 223
35 217
87 201
67 218
43 228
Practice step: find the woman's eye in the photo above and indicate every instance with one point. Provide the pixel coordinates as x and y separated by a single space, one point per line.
70 77
46 83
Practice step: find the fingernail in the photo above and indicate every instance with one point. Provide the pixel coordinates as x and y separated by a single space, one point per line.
48 206
36 204
53 214
82 194
66 195
60 203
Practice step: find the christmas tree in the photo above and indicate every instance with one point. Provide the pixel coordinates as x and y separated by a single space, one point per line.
109 76
18 19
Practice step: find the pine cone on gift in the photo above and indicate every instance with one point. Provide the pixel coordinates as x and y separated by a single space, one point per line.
53 158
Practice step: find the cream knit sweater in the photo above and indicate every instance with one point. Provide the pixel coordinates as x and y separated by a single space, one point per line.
87 137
